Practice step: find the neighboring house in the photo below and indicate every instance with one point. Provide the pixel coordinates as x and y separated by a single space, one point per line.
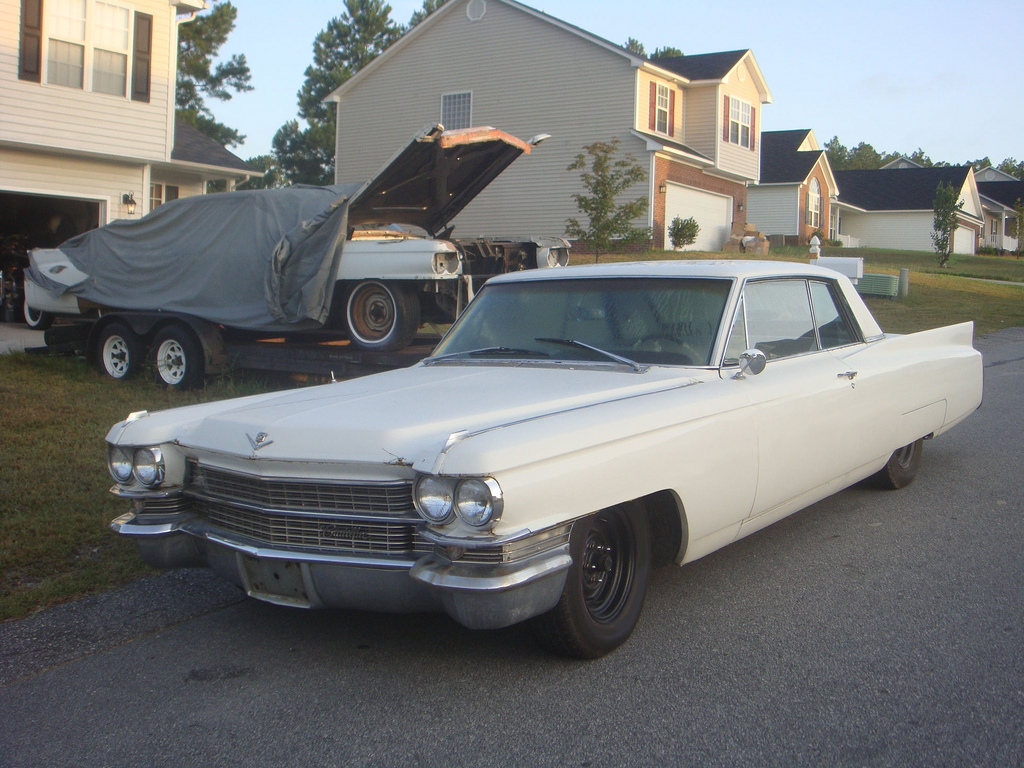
894 207
999 193
795 197
693 122
87 117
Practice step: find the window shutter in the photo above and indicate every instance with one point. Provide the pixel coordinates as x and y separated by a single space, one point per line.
672 112
725 131
753 128
142 57
652 111
30 54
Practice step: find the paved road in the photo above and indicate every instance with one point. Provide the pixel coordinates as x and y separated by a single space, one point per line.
872 629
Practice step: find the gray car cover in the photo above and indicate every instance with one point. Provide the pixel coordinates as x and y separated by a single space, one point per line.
259 259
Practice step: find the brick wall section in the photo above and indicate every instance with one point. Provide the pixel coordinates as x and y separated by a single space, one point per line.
668 170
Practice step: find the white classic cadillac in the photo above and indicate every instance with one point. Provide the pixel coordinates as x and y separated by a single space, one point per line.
574 428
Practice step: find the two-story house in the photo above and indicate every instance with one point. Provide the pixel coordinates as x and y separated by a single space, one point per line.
692 122
87 126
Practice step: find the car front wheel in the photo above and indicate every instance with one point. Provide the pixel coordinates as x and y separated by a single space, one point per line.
605 587
382 316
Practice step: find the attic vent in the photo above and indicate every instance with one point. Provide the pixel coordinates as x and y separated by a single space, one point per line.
476 9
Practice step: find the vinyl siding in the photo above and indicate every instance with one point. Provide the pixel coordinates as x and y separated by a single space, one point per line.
702 123
732 157
79 120
507 60
906 230
774 210
62 176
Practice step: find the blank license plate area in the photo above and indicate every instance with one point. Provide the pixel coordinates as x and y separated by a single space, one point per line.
276 581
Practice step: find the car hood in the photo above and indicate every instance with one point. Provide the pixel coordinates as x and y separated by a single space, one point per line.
433 178
403 417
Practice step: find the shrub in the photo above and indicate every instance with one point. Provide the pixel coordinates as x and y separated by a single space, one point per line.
683 232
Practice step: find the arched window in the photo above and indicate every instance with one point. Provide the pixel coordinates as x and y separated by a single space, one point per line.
814 204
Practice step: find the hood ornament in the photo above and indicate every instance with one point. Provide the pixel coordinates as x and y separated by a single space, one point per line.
262 440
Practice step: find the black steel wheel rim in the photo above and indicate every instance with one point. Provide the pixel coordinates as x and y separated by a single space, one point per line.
607 567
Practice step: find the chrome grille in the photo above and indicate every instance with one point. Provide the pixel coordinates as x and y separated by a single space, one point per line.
317 496
330 534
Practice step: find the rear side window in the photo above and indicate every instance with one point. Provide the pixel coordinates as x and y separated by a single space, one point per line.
834 329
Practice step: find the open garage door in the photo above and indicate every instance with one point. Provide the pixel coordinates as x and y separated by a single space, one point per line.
712 212
35 221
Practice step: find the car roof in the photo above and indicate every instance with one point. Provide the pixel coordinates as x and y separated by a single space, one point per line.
734 269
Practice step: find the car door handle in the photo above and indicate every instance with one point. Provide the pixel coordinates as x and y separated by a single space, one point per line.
851 375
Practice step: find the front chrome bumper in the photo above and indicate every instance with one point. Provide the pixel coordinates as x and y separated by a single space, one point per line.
478 595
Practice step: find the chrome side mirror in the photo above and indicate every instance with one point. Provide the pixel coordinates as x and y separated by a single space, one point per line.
753 362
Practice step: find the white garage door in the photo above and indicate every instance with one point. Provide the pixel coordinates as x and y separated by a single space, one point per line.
963 240
712 212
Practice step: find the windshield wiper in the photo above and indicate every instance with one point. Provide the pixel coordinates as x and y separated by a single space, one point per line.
488 351
637 367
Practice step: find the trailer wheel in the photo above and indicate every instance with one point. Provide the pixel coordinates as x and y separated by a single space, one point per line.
118 351
382 316
37 319
178 357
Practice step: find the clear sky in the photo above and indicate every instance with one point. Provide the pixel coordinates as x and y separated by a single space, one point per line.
944 76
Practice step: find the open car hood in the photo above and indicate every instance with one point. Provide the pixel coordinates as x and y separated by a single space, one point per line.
437 175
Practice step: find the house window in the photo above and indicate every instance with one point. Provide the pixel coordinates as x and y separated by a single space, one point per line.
457 110
110 56
161 193
994 229
814 204
65 62
88 45
661 120
739 122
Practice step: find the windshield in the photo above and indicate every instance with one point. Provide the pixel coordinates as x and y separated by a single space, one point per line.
651 320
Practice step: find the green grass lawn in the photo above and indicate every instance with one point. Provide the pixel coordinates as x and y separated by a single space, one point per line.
55 508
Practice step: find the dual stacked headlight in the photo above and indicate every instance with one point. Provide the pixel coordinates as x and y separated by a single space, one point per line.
475 501
146 465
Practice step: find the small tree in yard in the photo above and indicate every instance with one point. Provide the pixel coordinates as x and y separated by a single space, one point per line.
606 179
947 205
683 232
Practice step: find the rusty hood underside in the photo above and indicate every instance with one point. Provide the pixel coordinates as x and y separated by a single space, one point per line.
433 178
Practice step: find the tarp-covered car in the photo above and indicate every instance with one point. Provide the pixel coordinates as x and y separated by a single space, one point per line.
346 256
573 428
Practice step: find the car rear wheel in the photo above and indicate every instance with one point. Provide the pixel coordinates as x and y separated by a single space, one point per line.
605 587
178 358
37 319
901 468
382 316
118 351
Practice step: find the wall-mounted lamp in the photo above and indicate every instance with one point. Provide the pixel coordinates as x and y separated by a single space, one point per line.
128 200
739 207
663 188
